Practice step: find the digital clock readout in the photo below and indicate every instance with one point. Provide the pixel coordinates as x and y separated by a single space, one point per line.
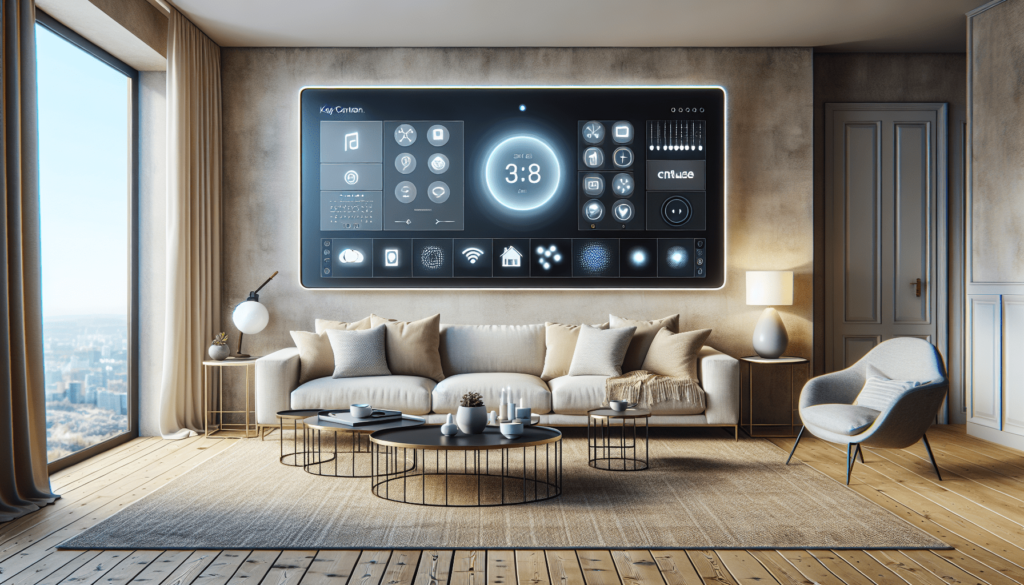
522 173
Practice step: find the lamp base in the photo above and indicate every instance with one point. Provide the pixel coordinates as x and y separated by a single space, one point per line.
770 336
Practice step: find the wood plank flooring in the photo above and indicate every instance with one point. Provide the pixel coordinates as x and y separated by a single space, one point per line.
978 509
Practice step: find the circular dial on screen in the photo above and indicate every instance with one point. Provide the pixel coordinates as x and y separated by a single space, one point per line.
522 173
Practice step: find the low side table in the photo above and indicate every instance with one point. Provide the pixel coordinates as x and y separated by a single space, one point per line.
297 417
616 453
214 425
770 395
344 455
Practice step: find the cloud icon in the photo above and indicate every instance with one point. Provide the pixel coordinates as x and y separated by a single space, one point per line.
350 256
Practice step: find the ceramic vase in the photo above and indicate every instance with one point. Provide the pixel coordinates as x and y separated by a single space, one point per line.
219 352
471 419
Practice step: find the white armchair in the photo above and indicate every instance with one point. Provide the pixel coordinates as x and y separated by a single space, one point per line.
827 402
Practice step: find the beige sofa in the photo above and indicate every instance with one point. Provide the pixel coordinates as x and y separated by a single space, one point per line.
485 359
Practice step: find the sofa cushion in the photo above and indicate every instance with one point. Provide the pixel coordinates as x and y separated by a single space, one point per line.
560 344
412 347
325 324
842 419
599 352
410 394
579 394
316 358
675 354
358 353
448 393
642 337
474 349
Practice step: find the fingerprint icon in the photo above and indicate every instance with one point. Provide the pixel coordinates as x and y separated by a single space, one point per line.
432 257
472 254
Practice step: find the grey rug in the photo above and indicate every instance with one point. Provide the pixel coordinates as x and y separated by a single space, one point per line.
703 490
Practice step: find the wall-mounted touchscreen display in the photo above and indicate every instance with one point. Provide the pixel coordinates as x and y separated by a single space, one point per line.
512 187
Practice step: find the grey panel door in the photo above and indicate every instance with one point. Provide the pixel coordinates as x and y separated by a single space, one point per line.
882 180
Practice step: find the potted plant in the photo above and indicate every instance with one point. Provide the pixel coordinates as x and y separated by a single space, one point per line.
472 414
219 348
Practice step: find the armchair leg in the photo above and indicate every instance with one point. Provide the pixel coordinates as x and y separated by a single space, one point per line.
860 453
930 456
851 458
798 437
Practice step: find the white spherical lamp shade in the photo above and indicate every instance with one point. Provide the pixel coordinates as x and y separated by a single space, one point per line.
250 317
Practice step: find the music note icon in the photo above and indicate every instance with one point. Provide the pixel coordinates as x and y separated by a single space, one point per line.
352 141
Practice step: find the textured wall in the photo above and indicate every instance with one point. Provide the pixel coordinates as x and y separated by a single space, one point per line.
769 182
152 244
875 77
997 55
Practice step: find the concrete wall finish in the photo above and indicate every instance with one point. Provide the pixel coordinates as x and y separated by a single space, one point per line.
770 170
903 77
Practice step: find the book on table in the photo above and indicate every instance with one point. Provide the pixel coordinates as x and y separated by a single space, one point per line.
346 418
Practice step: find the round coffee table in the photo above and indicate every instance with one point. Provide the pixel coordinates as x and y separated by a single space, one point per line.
295 416
468 470
344 456
617 453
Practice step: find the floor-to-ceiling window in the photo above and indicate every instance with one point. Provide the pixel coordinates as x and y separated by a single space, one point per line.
87 152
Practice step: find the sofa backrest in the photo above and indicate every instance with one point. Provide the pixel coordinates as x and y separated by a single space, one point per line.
468 349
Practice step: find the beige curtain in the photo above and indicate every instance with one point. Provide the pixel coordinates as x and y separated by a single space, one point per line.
24 482
193 222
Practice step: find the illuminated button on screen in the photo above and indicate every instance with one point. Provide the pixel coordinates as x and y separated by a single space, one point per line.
359 142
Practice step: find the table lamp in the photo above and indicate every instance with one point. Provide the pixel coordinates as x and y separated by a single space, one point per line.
770 287
250 316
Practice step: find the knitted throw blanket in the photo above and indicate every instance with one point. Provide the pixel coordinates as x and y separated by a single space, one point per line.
646 389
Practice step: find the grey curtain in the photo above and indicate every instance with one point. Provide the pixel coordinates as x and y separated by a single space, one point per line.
24 482
193 222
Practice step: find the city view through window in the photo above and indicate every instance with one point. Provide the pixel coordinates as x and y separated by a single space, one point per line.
84 108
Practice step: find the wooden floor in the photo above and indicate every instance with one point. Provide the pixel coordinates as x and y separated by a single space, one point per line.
978 509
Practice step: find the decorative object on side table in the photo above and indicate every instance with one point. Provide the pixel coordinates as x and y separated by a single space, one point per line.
620 405
219 349
610 451
360 410
449 428
770 287
770 395
472 414
250 316
512 429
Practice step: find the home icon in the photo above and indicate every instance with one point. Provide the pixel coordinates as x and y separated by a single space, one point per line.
511 258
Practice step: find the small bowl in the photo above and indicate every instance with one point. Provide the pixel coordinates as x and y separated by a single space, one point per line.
360 410
619 405
511 430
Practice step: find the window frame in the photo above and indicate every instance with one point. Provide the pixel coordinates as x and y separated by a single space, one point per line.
133 245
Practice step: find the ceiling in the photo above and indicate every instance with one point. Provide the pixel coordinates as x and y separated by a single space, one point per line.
833 25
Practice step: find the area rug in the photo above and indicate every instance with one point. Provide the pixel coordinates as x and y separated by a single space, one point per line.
703 490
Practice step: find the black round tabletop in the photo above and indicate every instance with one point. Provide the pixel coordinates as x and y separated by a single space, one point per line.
431 438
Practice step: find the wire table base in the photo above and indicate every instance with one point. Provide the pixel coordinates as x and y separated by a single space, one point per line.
468 478
347 457
616 453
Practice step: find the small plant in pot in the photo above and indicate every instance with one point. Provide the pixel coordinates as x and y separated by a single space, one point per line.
219 349
472 415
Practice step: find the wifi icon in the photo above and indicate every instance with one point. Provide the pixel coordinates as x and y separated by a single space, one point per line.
472 254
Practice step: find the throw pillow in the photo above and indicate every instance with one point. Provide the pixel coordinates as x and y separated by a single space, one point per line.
599 352
645 332
316 359
412 347
560 343
675 354
879 392
359 353
325 324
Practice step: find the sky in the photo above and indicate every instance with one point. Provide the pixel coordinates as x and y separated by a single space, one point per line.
83 176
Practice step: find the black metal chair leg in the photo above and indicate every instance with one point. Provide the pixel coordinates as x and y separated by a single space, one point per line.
798 437
850 460
931 456
860 453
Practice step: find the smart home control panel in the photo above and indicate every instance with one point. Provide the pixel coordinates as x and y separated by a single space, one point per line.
513 187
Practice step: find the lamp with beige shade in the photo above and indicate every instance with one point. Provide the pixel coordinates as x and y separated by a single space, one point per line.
772 288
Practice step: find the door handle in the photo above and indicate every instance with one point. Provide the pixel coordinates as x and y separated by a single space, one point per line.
917 286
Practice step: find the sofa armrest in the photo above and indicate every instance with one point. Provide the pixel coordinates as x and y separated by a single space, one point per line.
720 378
277 375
